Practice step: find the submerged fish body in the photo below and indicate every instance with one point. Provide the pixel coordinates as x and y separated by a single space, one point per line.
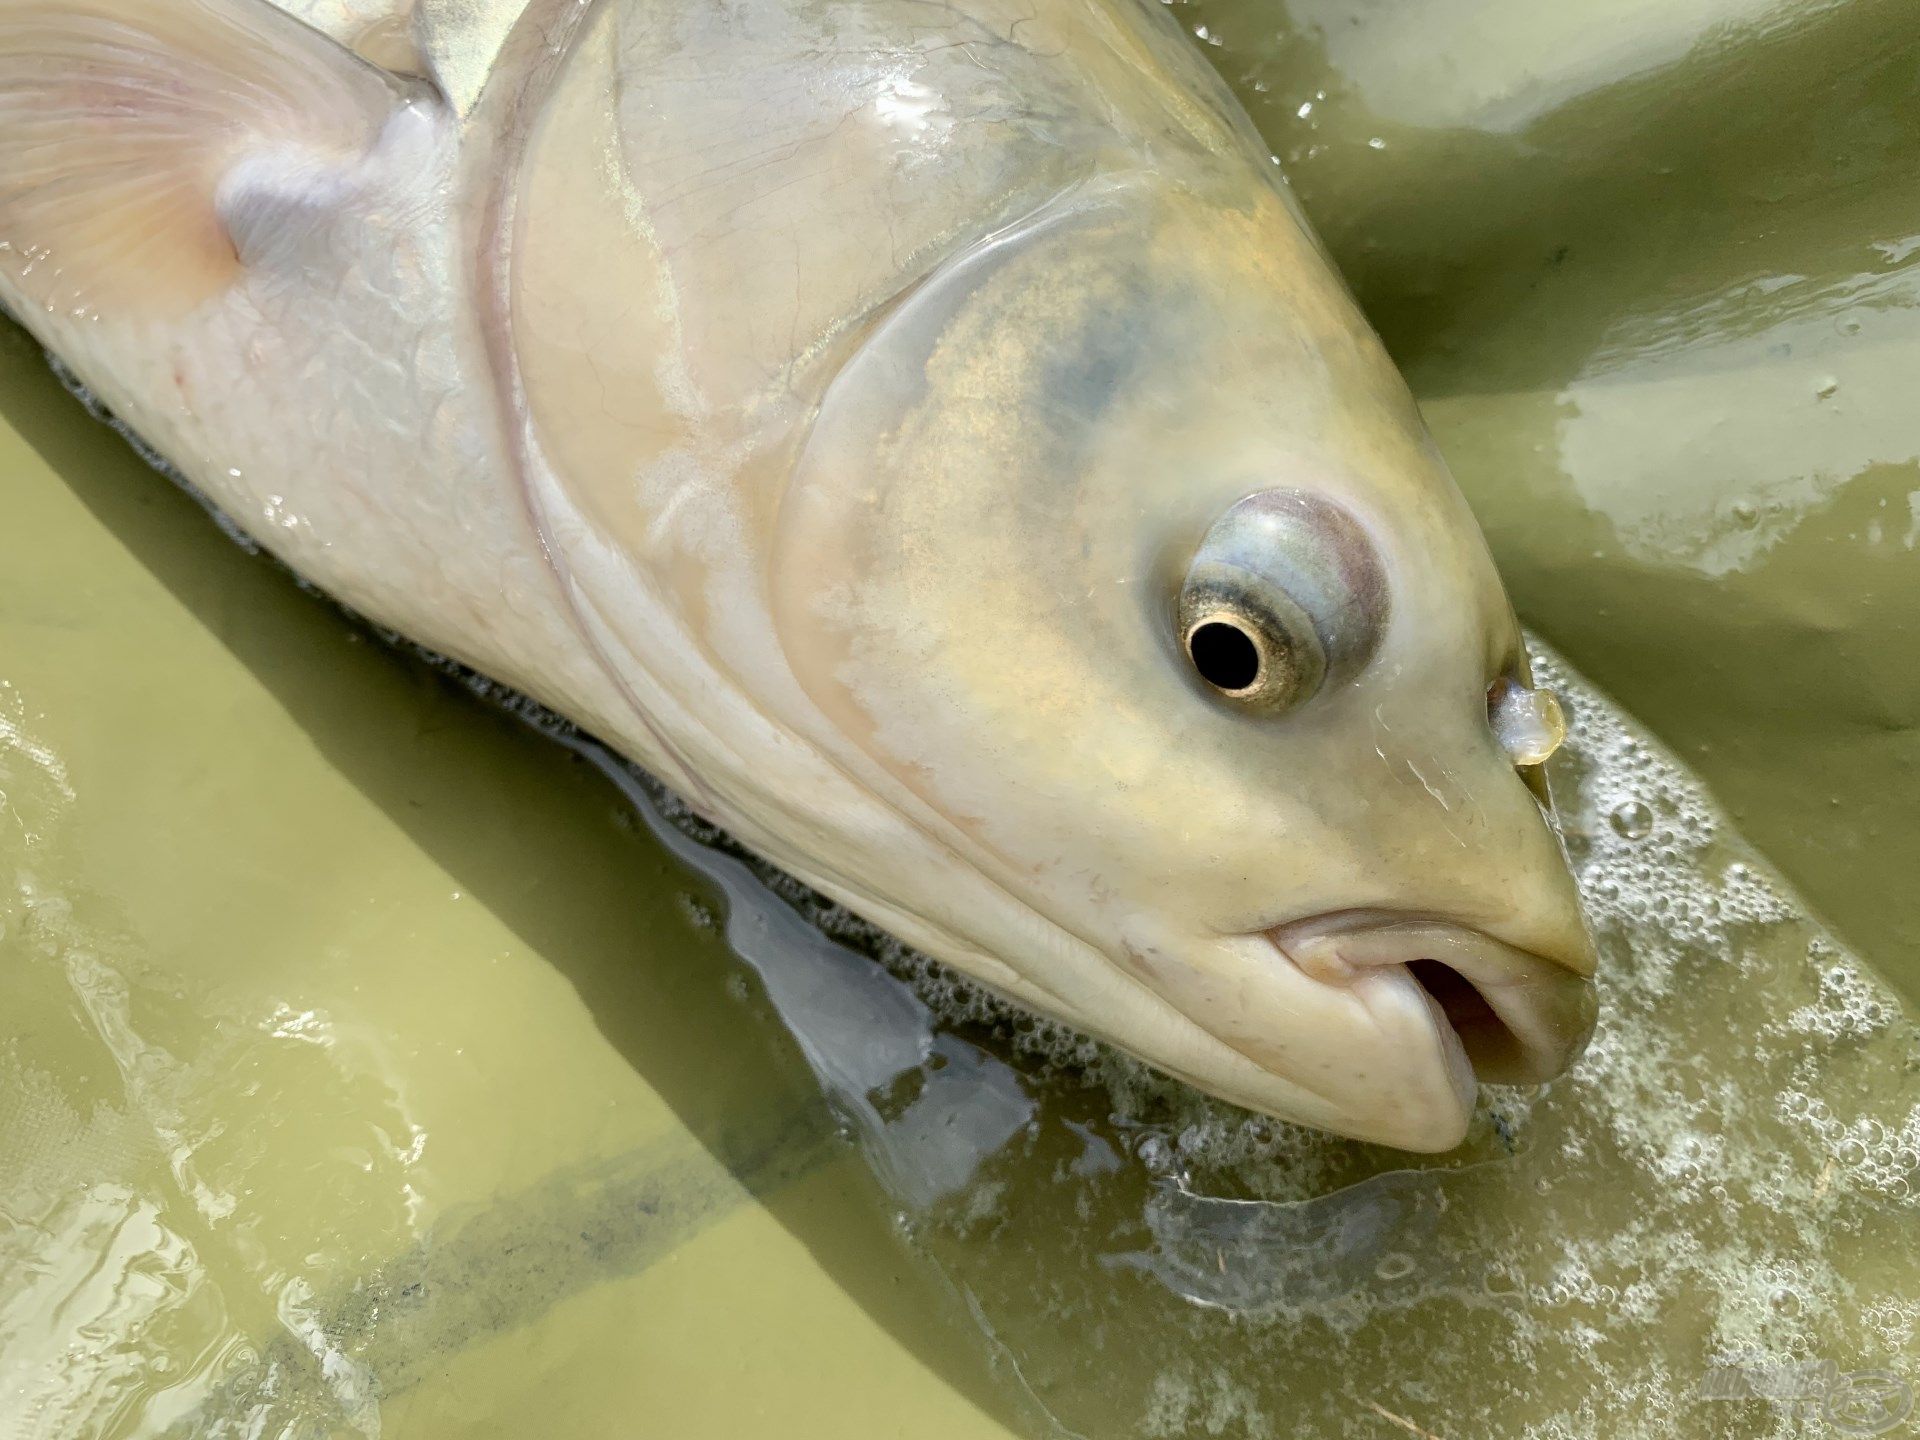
926 436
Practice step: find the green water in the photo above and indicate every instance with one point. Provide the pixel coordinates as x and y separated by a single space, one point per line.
368 1068
307 955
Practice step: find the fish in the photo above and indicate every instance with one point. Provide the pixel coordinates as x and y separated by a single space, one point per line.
924 434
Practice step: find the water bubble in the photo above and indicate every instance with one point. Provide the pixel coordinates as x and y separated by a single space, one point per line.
1631 820
1394 1267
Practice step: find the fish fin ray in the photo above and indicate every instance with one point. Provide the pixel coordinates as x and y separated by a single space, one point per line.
119 120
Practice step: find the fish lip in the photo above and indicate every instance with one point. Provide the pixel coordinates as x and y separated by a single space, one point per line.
1514 1015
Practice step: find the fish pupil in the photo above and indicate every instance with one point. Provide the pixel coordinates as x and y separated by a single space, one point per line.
1225 655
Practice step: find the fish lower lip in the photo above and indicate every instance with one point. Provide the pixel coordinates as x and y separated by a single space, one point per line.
1520 1018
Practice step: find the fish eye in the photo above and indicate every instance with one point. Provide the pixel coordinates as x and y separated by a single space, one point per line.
1257 648
1226 655
1283 591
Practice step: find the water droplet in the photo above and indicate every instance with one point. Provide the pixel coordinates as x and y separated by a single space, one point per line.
1631 820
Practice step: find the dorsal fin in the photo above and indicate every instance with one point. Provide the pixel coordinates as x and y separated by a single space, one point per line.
119 119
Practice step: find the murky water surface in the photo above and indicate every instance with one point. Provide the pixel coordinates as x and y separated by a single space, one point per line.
373 1064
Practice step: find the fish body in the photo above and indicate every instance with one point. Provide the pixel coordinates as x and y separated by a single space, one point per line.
926 436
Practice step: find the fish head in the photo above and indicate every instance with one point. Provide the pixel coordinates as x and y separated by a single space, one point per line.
1119 545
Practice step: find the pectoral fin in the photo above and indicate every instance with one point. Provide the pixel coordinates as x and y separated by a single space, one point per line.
120 120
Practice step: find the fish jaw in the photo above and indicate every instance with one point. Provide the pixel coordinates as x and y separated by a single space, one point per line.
1374 1026
1514 1016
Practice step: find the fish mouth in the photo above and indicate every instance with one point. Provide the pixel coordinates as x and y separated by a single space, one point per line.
1503 1015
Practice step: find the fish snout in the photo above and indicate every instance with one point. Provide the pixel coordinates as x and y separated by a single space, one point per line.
1510 1016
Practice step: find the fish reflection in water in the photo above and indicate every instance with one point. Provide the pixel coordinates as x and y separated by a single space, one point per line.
1151 1262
